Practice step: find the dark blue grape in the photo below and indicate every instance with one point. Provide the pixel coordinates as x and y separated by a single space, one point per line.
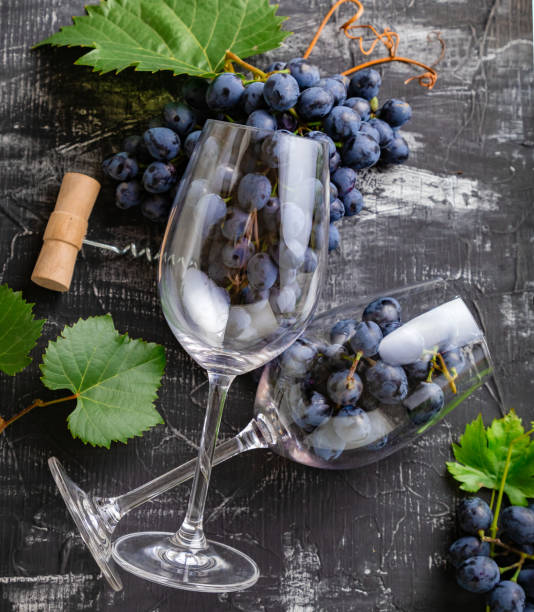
365 84
236 255
365 128
337 210
366 338
386 382
341 123
194 93
224 92
360 151
310 262
272 148
270 214
162 143
281 91
128 194
344 388
298 358
382 310
466 547
396 152
478 574
473 515
336 88
130 144
262 272
156 208
159 177
322 137
250 296
384 130
417 371
276 66
287 121
334 162
218 272
507 596
387 328
252 98
361 106
342 331
518 522
526 580
120 167
352 202
179 117
333 238
254 191
345 180
454 359
310 414
305 73
262 120
425 402
234 224
367 402
395 112
191 142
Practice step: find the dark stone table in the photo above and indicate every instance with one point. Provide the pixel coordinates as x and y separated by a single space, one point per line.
370 540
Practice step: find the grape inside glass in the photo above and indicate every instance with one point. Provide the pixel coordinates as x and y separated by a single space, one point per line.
241 268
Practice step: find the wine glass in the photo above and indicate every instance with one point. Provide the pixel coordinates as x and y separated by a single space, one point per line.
280 421
241 267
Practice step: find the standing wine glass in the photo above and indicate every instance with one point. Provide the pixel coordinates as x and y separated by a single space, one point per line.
241 267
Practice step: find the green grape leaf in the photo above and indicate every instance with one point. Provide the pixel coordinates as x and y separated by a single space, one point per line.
116 380
19 330
482 454
184 36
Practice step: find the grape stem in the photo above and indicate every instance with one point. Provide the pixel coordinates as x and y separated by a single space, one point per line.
235 59
507 547
38 403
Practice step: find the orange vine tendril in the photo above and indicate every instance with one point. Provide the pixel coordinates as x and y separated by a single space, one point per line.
388 38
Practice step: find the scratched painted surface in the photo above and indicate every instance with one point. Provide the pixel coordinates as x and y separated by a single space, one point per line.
370 540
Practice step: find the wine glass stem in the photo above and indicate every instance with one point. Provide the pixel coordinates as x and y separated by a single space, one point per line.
191 533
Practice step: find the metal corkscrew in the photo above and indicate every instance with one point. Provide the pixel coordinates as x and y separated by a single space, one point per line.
130 249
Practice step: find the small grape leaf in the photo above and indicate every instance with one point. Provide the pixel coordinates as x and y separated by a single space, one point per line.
19 330
116 379
481 458
184 36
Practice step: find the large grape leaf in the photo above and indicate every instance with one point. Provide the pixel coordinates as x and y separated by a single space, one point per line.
116 379
185 36
19 330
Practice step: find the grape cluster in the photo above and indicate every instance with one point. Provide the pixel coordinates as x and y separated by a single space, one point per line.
343 395
340 111
505 575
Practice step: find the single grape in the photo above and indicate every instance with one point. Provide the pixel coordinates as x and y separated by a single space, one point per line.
360 151
281 91
120 167
507 596
341 123
156 208
396 152
159 177
454 359
382 310
128 194
262 120
283 301
337 210
384 130
342 331
478 574
311 414
194 93
180 118
224 92
254 191
359 105
345 180
387 328
352 424
298 358
344 388
365 128
425 402
386 382
162 143
322 137
367 402
252 98
366 338
518 522
352 202
262 272
305 73
334 162
466 547
234 224
130 144
526 580
236 255
249 295
310 261
395 112
473 515
191 142
336 88
333 238
276 66
272 148
287 121
417 371
365 84
270 215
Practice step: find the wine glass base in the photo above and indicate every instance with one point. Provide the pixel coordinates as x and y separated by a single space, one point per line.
89 522
153 555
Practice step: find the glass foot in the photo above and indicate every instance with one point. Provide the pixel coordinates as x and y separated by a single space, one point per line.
89 522
155 556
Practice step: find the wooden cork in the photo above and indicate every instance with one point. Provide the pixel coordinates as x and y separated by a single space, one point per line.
65 231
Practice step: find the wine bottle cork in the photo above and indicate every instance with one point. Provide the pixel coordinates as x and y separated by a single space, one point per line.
65 231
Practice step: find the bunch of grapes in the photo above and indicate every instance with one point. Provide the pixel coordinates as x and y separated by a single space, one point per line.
342 112
505 574
344 392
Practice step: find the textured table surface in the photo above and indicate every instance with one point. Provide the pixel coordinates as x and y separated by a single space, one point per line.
369 540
